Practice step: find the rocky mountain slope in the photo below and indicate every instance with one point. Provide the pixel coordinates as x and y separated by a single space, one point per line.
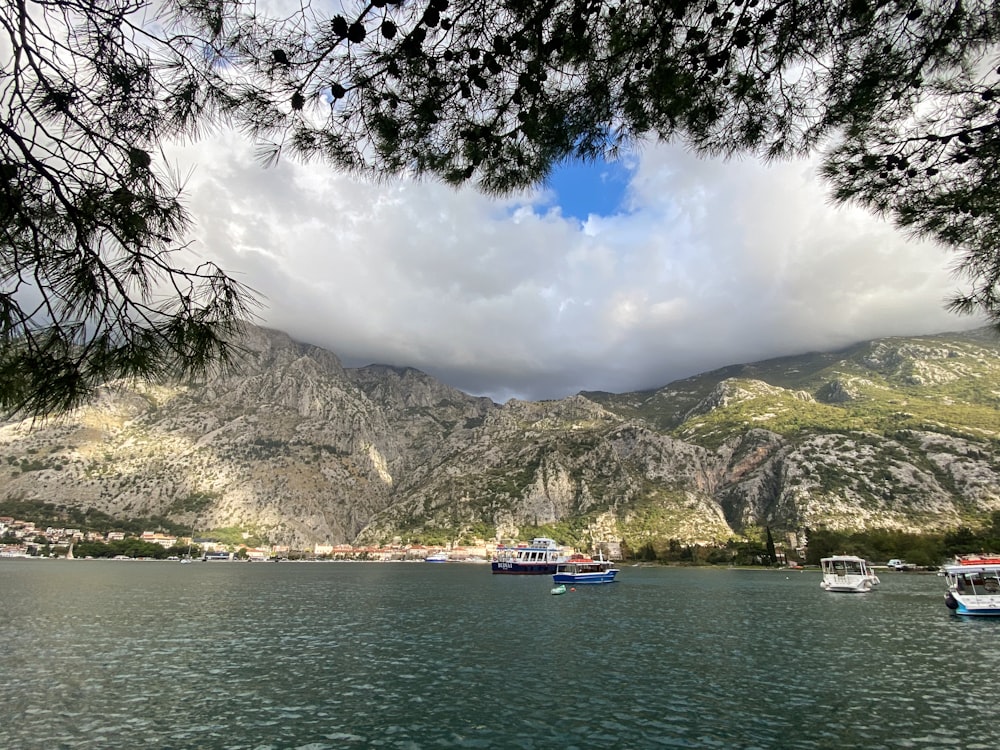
894 433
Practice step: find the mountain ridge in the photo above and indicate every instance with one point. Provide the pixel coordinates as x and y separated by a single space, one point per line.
291 446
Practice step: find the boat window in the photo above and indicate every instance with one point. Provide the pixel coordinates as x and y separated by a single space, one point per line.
978 582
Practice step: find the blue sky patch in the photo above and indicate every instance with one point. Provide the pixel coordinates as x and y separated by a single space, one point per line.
584 188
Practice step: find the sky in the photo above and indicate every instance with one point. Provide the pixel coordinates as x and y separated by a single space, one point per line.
614 277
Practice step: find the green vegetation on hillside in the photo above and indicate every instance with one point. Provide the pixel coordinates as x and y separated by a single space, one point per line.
571 532
129 547
920 549
742 552
194 503
44 514
665 514
234 536
877 545
948 384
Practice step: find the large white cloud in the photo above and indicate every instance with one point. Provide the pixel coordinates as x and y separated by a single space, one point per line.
712 263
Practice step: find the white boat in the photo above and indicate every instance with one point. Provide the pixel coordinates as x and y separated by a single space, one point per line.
974 585
437 557
848 574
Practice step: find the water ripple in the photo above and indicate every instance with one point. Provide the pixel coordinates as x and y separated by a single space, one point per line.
408 657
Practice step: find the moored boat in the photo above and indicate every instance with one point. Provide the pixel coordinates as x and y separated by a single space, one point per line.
974 585
582 569
847 574
437 557
977 559
536 559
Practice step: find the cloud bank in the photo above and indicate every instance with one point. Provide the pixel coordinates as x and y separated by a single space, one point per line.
707 263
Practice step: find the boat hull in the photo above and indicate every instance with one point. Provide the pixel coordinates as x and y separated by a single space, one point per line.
862 588
607 576
854 587
511 568
974 606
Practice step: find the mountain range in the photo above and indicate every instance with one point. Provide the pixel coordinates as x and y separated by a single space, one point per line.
292 447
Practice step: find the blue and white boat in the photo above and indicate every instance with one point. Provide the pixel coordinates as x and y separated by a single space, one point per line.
580 569
437 557
536 559
974 586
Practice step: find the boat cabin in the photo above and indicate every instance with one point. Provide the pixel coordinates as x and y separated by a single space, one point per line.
541 550
976 582
847 573
844 566
581 564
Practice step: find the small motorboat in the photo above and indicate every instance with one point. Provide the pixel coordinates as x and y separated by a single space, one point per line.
974 585
583 569
847 574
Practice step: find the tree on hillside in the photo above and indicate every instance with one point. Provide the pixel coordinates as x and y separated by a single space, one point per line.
772 554
900 96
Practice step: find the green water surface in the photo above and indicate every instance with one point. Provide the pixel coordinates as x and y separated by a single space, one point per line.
98 655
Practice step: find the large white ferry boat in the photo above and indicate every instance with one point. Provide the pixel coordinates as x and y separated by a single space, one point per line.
539 558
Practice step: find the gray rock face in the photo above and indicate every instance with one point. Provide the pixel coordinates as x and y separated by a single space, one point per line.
292 446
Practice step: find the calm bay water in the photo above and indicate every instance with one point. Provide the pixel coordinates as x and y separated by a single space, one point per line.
103 654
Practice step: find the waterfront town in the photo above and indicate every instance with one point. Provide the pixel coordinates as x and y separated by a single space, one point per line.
20 538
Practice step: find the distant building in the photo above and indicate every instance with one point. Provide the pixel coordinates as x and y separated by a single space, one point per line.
155 537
